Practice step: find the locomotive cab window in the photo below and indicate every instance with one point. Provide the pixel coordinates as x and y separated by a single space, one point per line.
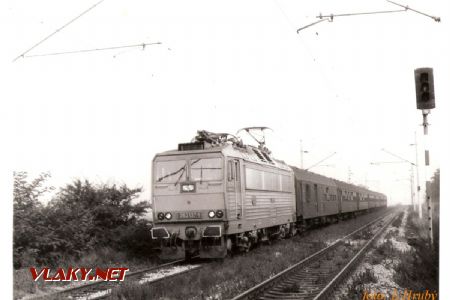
206 169
170 171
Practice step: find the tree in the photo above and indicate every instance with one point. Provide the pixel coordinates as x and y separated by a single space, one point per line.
94 215
28 218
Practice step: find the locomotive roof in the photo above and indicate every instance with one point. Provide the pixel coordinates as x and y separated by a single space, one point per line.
246 152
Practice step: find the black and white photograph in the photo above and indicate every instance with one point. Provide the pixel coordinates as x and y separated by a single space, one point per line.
211 150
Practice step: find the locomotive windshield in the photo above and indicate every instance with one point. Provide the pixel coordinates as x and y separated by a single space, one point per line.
201 169
171 171
205 169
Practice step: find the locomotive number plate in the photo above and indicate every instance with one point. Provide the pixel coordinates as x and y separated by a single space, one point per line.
190 215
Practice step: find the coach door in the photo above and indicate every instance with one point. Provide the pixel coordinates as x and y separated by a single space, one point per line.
339 198
234 194
316 199
299 198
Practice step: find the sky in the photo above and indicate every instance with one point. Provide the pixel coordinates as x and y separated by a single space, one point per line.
345 86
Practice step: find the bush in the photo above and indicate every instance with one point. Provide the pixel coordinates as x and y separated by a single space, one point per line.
357 287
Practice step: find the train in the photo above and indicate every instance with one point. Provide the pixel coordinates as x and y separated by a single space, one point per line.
215 195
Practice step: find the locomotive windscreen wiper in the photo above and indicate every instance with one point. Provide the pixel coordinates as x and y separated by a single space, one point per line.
181 175
183 168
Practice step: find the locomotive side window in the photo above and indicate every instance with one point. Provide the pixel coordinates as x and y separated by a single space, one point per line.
253 179
206 169
170 171
270 181
286 184
267 181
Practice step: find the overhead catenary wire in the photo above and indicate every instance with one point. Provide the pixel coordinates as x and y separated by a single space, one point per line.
323 74
58 30
437 19
143 45
331 17
309 25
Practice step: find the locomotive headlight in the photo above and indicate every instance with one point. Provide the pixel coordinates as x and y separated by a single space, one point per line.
168 216
219 214
211 214
161 216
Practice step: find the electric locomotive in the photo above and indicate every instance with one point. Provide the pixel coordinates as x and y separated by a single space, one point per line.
215 194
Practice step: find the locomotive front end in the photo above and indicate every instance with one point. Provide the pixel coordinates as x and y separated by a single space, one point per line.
188 203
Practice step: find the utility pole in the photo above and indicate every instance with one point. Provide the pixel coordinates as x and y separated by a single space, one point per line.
411 178
301 154
419 199
402 160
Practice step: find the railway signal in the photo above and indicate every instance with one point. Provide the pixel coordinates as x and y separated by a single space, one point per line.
424 88
424 81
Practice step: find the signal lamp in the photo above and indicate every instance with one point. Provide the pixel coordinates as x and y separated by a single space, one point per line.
219 214
168 216
211 214
161 216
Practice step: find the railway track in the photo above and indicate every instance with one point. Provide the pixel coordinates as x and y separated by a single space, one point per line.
316 276
102 289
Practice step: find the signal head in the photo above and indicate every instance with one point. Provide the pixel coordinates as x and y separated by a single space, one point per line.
424 88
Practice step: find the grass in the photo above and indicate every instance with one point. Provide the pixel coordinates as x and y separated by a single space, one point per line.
398 221
23 284
415 269
418 268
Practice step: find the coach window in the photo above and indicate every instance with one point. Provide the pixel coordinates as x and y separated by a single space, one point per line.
307 193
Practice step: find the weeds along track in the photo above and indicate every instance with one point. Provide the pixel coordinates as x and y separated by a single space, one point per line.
316 276
102 289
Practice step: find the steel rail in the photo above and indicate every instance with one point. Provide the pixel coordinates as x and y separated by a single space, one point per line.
260 288
345 271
